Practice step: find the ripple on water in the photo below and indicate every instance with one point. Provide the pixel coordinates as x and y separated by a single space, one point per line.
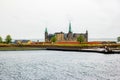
58 65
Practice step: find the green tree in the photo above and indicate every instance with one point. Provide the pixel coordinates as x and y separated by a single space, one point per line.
80 39
53 39
1 39
118 39
8 39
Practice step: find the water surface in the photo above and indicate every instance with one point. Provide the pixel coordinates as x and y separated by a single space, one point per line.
58 65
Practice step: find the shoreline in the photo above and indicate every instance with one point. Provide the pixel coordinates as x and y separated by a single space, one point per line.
101 48
72 49
95 50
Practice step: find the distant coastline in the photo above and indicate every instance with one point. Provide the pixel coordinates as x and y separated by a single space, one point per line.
102 39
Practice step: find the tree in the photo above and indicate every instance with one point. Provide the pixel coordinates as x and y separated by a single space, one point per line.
118 39
53 39
80 39
1 39
8 39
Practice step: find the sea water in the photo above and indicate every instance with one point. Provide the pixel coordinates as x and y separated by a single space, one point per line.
58 65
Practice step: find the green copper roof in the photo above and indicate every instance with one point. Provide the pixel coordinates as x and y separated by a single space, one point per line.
70 30
46 30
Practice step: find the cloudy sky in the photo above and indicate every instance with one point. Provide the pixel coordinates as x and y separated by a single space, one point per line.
27 19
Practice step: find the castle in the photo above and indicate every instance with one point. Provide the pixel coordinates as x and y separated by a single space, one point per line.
66 37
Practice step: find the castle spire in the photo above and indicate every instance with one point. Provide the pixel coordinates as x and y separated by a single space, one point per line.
86 31
86 35
46 35
70 30
46 30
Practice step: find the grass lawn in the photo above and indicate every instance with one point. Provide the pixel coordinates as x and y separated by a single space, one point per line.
18 48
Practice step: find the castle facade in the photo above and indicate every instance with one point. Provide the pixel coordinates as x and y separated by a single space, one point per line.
66 37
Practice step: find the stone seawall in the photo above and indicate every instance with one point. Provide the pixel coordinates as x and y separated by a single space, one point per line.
98 50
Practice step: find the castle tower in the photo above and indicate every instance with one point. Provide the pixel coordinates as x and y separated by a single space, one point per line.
70 35
70 30
46 35
86 35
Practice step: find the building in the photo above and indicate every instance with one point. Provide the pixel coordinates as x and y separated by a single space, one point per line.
66 37
23 42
